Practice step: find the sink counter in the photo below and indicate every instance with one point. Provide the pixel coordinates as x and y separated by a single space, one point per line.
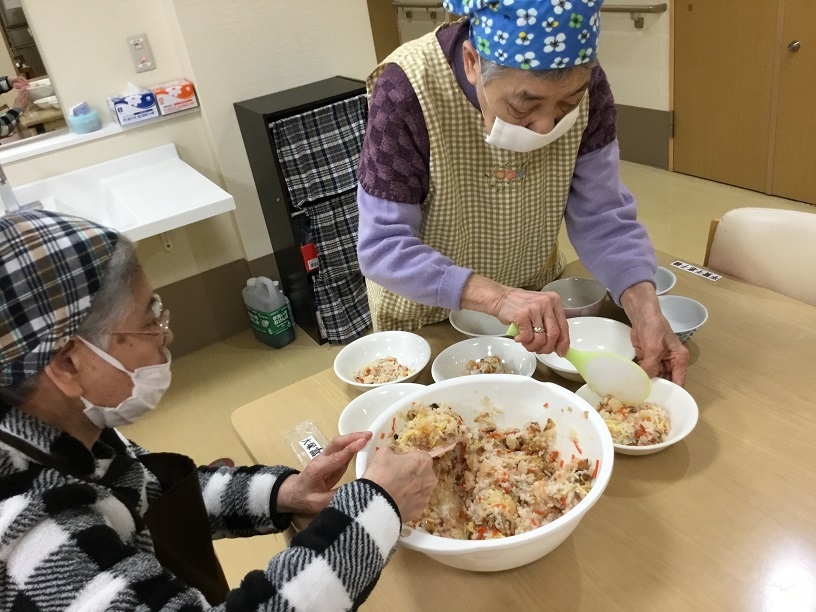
140 195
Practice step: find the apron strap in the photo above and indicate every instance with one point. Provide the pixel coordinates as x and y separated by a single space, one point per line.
180 526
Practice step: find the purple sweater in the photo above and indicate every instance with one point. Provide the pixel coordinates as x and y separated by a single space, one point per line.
394 180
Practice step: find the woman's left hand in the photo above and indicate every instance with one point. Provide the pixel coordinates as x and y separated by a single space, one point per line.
311 490
658 350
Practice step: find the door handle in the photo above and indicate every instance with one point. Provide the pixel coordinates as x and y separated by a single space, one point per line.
794 46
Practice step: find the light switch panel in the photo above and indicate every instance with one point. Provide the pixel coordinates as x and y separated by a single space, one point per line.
140 53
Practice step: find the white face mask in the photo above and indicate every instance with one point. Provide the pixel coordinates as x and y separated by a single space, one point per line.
149 384
521 139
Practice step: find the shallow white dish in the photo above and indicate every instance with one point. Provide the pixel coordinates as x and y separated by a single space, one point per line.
521 400
685 315
452 362
409 349
675 400
360 412
664 280
474 323
591 334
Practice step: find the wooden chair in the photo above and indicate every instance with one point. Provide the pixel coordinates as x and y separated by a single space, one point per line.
770 248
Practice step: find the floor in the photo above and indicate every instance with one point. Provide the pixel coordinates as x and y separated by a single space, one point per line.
194 417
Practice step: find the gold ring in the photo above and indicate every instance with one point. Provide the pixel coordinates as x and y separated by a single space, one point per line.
538 330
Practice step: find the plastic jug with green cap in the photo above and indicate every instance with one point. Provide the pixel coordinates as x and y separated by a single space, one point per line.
268 312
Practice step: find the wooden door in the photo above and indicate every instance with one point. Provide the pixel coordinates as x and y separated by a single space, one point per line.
794 153
723 86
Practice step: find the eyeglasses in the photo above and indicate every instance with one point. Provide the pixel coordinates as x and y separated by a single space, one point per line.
162 321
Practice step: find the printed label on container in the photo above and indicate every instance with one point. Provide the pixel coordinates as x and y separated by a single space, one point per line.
311 446
271 323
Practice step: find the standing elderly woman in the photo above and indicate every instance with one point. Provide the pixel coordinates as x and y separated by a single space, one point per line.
481 138
90 521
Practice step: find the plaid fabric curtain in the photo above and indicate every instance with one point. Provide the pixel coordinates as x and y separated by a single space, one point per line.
319 150
339 286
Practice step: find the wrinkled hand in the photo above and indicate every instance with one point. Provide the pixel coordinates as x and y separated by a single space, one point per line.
527 309
657 349
18 82
408 478
311 490
535 309
23 99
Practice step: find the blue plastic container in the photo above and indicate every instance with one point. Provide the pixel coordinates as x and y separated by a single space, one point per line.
82 124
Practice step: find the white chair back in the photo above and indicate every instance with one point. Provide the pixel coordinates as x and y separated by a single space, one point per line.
770 248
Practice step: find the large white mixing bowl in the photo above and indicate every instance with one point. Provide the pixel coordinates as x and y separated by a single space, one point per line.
521 400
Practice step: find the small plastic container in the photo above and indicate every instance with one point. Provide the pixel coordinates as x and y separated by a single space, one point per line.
268 312
307 441
82 124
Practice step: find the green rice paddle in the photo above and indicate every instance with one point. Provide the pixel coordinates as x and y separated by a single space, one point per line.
612 374
607 373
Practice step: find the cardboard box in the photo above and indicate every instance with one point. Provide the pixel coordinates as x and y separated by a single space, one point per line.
175 96
133 108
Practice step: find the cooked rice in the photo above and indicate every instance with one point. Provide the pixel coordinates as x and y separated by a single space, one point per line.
382 370
492 364
641 425
496 482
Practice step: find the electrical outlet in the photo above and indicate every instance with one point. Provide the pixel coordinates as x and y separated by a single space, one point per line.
140 53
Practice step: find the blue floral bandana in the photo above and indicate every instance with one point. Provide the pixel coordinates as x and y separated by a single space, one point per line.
532 34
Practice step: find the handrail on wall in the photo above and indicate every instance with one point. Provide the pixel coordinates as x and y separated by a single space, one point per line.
636 11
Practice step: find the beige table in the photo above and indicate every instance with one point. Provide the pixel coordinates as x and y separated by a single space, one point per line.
725 520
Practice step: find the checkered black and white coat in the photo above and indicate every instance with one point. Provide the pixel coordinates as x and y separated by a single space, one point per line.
68 544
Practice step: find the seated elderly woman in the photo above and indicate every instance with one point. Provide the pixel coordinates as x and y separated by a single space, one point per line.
91 521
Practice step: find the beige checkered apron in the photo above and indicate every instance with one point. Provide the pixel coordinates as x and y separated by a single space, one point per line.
488 209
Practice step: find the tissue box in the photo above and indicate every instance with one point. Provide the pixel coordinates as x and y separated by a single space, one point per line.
175 96
133 108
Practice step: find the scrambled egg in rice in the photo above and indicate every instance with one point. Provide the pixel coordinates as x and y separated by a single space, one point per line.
641 425
496 482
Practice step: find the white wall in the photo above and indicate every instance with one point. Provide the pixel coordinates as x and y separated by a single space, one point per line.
241 50
83 46
637 61
232 51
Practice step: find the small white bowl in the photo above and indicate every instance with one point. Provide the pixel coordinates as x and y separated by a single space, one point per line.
409 349
360 412
684 315
42 103
451 363
664 280
473 323
674 399
581 297
591 334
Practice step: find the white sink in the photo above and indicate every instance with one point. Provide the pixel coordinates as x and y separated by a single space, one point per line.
139 195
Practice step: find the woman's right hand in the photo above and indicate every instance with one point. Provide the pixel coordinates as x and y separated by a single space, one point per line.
529 310
408 478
